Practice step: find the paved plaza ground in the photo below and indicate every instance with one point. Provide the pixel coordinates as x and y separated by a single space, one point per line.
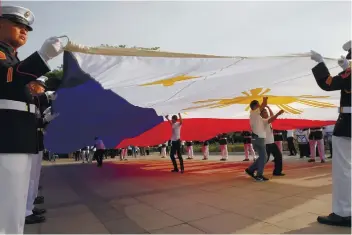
142 196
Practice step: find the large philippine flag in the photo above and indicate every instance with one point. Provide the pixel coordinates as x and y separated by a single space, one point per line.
121 95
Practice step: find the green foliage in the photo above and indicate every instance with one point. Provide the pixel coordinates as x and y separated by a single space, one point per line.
56 73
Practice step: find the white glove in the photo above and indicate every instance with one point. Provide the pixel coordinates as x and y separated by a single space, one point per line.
51 95
47 111
343 62
49 117
316 56
51 48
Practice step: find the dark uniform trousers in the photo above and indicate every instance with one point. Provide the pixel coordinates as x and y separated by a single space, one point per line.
176 149
99 155
274 149
41 102
341 144
19 134
291 146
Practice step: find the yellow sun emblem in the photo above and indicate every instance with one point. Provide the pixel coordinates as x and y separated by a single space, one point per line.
170 81
282 102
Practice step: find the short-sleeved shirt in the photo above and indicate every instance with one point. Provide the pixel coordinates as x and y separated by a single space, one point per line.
176 131
289 133
269 138
257 123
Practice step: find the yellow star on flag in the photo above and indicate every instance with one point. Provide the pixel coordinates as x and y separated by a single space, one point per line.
170 81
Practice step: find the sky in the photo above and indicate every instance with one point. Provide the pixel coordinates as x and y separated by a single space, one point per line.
248 28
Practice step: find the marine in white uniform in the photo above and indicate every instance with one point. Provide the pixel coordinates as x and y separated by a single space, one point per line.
42 100
341 139
18 113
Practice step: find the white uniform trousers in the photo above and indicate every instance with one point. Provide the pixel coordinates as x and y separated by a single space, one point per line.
190 151
341 176
321 148
205 149
85 154
248 149
37 174
224 152
90 156
14 182
163 152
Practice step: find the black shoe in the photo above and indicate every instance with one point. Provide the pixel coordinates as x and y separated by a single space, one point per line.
246 160
322 161
174 170
260 179
37 211
335 220
311 160
251 174
38 200
278 174
182 171
34 219
264 178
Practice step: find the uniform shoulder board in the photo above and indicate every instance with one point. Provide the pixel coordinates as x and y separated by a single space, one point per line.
2 56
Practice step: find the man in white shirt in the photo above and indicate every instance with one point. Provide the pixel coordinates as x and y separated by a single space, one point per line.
257 124
176 142
290 144
271 146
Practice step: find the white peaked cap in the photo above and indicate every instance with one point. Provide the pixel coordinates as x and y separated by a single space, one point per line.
347 46
42 79
18 14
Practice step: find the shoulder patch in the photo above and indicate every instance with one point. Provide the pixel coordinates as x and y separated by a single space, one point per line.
2 56
346 74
